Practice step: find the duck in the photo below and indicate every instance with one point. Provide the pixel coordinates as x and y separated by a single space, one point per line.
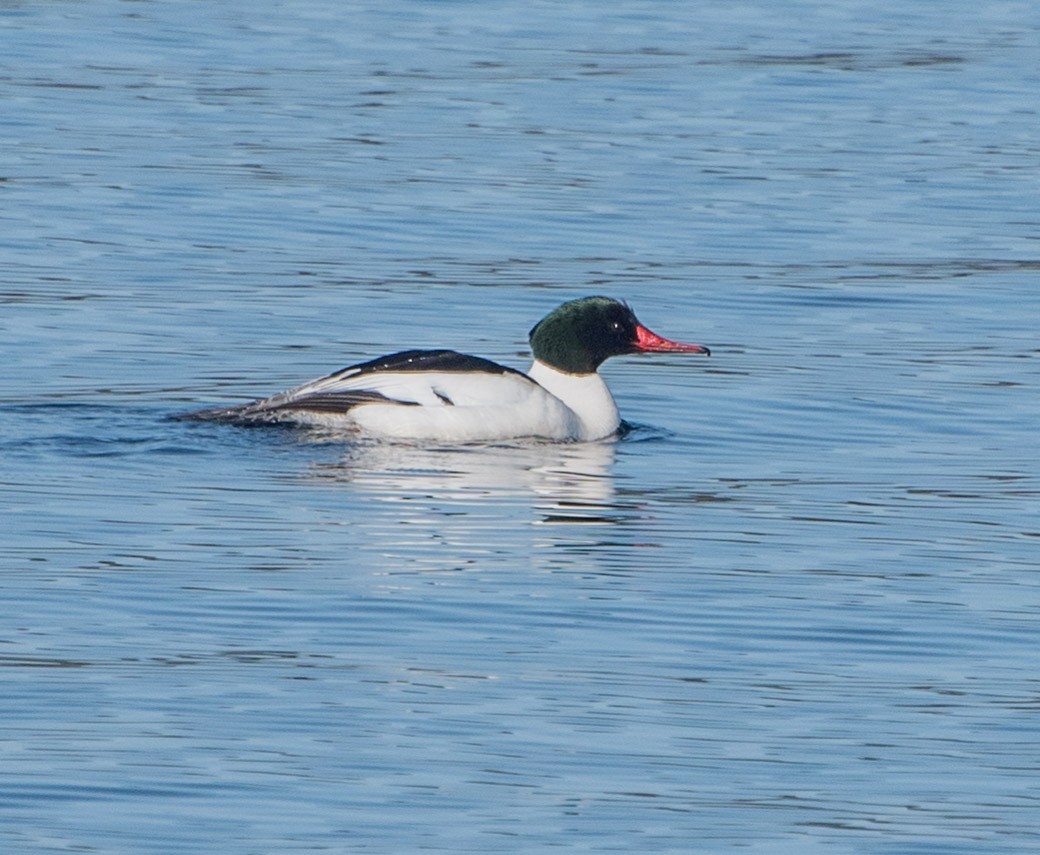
444 395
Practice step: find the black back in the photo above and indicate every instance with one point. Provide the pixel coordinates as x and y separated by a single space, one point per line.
431 360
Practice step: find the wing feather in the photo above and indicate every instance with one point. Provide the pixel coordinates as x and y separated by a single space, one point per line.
428 378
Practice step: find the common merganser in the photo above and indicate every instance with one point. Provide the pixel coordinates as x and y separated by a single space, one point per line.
444 395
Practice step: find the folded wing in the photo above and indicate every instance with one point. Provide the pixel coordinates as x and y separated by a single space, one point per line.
411 378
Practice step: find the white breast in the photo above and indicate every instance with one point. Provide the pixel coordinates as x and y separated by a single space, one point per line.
585 395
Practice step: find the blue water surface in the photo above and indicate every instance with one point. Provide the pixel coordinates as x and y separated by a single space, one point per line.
794 610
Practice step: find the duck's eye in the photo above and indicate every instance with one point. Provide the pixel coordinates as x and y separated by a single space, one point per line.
617 325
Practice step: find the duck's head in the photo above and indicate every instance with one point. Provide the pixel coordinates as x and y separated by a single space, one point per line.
579 335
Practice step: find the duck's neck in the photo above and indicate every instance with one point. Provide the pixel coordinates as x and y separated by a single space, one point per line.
586 395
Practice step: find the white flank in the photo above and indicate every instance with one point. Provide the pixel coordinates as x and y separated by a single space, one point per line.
459 405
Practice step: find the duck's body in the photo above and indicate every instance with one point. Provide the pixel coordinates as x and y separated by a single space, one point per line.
444 395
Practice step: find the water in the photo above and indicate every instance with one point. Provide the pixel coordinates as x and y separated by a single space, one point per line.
794 610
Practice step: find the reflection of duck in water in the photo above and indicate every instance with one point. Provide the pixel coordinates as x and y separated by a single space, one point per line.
575 475
448 396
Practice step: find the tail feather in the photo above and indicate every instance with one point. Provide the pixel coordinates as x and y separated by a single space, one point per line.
278 409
